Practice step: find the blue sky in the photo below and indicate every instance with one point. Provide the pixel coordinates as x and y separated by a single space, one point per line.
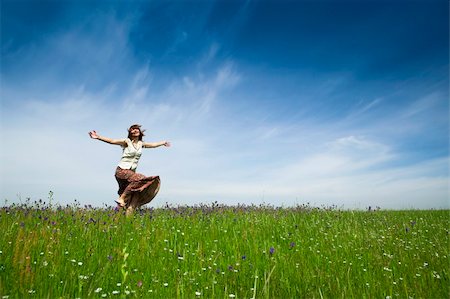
279 102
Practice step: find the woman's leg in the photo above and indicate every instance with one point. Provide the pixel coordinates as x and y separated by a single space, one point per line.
123 179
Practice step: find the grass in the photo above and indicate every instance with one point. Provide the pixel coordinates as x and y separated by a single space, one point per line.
216 251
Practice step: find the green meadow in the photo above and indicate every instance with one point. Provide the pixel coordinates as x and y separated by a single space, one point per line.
216 251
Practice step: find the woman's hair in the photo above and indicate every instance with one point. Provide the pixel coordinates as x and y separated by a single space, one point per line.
136 126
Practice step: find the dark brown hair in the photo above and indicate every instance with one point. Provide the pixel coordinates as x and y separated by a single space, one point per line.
136 126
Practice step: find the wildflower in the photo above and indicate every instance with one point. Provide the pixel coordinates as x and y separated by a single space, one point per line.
292 245
271 250
104 295
139 284
80 263
98 290
115 292
230 268
197 293
244 257
110 257
165 284
231 295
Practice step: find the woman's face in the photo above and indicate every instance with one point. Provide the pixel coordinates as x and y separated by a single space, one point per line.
135 132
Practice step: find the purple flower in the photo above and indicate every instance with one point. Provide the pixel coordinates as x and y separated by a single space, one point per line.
271 250
244 257
230 268
292 245
139 284
110 257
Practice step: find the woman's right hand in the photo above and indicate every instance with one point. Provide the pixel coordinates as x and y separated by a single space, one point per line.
93 134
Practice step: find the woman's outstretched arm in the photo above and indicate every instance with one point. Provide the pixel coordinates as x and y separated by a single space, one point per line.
155 144
94 135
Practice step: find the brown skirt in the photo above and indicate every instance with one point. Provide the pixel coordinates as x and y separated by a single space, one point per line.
139 188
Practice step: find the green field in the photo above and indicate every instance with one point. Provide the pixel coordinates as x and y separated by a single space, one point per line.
216 251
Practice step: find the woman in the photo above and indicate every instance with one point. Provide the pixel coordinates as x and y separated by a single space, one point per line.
135 189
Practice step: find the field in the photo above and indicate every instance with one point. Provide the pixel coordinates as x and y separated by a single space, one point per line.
216 251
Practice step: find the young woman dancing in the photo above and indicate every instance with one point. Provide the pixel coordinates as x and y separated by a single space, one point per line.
135 189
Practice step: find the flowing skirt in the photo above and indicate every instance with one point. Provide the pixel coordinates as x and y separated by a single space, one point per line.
138 188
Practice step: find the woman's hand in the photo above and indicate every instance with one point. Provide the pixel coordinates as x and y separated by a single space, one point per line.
93 134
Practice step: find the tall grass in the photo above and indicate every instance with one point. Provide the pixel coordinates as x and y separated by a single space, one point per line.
216 251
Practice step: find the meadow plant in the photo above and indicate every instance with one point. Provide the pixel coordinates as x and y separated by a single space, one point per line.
217 251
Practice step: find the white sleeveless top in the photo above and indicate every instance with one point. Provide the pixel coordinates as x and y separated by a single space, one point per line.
130 155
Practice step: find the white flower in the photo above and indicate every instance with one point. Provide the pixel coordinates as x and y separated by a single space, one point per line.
119 284
232 295
80 263
104 295
181 258
197 293
165 284
98 290
115 292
